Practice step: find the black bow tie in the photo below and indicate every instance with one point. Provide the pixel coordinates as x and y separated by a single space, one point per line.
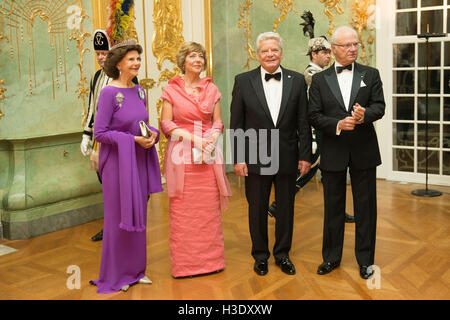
276 76
340 69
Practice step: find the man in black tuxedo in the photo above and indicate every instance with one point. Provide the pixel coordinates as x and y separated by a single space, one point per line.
344 102
269 113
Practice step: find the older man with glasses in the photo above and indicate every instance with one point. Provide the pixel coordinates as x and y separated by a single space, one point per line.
345 100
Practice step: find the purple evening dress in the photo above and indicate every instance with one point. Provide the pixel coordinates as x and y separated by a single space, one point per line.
129 174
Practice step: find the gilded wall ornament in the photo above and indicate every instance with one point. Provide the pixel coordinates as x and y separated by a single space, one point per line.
168 32
285 7
2 95
75 25
363 14
244 22
2 81
330 6
167 40
20 16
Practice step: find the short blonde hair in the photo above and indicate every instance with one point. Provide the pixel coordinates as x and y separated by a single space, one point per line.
185 49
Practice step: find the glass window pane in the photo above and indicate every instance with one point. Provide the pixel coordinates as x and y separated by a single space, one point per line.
433 161
431 3
433 135
446 142
406 24
446 109
403 108
446 81
403 160
446 163
448 21
434 81
433 108
403 134
404 55
434 54
433 18
406 4
404 81
446 53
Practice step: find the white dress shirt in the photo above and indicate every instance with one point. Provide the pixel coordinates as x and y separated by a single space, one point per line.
273 90
345 79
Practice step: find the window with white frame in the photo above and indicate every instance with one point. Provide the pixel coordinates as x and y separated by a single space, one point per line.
413 17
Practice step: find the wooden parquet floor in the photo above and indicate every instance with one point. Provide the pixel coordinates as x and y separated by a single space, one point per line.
412 251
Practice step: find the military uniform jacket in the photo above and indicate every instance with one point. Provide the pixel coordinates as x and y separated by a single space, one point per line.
98 82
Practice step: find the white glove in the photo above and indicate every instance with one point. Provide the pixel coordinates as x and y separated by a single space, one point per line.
85 145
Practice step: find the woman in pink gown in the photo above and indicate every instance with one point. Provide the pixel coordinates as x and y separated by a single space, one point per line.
198 188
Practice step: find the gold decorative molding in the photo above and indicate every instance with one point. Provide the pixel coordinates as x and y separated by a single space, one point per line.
167 39
168 32
285 7
2 95
363 11
2 81
244 22
146 83
330 6
208 38
75 24
20 16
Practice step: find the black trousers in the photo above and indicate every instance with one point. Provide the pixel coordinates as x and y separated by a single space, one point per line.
257 191
365 211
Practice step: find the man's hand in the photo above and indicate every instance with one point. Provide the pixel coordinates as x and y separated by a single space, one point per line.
304 167
358 113
347 124
241 169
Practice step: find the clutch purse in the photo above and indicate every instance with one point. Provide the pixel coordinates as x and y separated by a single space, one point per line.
145 131
197 155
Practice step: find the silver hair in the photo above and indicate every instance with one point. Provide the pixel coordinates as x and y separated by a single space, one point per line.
269 35
339 30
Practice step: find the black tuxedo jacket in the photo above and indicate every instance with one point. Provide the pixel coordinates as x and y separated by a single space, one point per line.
249 110
358 148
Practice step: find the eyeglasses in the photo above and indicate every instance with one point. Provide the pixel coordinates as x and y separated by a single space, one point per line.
347 46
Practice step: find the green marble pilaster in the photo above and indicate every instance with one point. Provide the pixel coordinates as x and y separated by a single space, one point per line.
16 196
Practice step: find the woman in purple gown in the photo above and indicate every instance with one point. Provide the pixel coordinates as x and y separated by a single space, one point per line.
129 168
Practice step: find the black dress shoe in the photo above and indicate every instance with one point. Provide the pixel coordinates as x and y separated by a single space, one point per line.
327 267
286 265
349 218
261 267
365 272
98 236
272 209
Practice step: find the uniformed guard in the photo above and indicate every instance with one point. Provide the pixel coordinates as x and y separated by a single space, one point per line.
98 81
